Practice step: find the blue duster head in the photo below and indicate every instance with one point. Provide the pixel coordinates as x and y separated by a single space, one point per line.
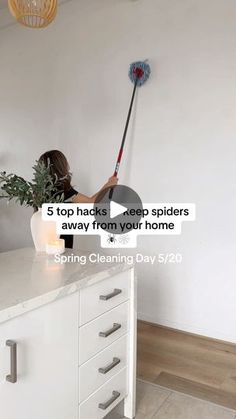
139 72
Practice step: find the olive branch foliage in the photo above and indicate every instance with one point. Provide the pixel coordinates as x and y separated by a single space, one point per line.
44 187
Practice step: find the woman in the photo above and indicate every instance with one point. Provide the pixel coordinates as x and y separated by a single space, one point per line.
60 168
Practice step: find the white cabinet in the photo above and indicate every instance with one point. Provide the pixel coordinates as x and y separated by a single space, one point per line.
101 332
105 398
76 354
104 296
102 367
47 363
107 346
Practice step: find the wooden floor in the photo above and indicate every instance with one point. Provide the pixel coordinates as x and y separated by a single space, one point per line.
191 364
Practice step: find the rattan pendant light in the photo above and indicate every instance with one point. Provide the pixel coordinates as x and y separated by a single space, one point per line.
33 13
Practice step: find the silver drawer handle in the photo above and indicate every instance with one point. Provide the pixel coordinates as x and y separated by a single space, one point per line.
111 295
114 363
104 406
12 378
109 332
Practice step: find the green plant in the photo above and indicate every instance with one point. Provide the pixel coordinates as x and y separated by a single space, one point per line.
44 188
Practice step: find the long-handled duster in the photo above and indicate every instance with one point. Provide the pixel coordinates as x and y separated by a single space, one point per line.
139 73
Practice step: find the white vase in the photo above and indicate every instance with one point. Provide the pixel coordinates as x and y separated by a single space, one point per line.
42 231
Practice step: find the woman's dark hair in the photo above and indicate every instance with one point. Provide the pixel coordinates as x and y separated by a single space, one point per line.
59 167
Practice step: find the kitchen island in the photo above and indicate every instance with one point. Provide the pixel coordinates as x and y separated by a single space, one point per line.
67 337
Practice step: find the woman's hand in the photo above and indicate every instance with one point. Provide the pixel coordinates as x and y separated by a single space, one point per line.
112 181
80 198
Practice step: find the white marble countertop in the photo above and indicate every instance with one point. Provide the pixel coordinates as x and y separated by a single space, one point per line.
29 280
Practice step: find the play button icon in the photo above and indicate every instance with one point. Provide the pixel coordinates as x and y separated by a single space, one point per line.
116 209
120 213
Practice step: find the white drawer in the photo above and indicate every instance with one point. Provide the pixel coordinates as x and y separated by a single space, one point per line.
101 332
110 393
103 296
98 370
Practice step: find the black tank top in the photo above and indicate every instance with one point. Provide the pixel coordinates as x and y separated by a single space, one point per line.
69 238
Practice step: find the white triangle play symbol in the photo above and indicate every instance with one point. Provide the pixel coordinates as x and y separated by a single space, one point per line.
116 209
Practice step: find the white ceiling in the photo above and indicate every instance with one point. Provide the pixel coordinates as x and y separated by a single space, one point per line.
3 3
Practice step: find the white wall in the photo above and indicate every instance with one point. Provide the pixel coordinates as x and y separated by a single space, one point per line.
67 87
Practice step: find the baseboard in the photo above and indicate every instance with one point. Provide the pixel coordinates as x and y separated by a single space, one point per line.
188 328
